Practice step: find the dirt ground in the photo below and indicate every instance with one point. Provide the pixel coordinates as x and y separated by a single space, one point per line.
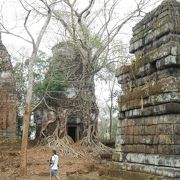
38 165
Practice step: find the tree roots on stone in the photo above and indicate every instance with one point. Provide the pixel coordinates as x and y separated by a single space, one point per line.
81 149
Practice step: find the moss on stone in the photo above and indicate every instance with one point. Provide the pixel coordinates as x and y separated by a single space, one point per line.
151 88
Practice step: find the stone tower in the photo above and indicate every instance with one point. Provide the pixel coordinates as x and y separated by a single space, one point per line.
148 137
8 96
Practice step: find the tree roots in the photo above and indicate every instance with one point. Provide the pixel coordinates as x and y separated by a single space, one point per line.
66 147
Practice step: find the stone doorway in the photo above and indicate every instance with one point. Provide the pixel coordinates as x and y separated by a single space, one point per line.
74 132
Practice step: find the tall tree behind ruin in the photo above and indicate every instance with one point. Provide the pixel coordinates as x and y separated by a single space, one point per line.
94 43
93 47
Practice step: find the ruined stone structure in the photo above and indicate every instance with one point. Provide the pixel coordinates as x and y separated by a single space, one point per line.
65 56
148 137
8 96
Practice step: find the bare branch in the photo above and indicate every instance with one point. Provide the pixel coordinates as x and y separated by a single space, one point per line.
23 6
6 31
25 22
113 34
87 8
43 29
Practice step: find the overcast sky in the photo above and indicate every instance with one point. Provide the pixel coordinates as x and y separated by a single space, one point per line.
13 17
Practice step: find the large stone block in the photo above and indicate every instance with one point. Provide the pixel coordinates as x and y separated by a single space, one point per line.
139 130
177 139
151 101
154 110
165 55
140 148
151 149
166 139
139 139
150 130
165 85
177 149
166 149
156 44
166 173
177 129
129 130
165 129
130 84
158 160
167 62
128 148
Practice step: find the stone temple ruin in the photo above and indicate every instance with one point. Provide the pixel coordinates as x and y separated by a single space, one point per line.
148 137
64 56
8 96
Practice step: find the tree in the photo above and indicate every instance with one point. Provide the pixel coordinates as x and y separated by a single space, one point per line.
109 110
27 111
94 42
35 47
92 38
94 46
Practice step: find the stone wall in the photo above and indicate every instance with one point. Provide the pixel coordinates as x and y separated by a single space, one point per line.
8 96
65 57
148 137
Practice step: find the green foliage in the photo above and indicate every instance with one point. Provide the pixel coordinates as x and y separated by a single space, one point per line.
20 76
95 41
40 66
103 130
53 82
32 127
52 79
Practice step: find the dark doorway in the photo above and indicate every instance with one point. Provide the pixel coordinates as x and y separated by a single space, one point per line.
72 133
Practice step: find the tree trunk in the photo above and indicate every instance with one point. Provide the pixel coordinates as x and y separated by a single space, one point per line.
27 114
23 168
110 127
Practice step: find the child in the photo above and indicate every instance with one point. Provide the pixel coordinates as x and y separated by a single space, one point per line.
54 164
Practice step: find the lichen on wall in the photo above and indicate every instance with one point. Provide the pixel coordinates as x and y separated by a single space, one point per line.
148 132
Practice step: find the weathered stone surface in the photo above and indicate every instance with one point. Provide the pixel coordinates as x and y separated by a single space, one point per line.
177 129
147 121
177 149
166 160
151 101
168 61
166 139
8 95
176 139
164 129
149 107
117 157
130 84
165 85
158 170
139 139
148 69
151 149
154 110
156 44
150 130
153 27
166 149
